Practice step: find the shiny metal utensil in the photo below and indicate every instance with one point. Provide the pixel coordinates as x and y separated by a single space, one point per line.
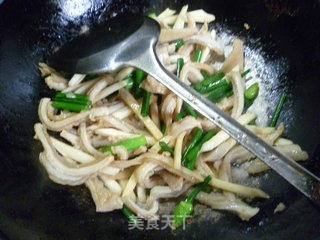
130 40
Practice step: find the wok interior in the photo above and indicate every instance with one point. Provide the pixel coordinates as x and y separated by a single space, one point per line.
37 206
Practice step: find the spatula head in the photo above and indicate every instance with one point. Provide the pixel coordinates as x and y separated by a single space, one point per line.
108 46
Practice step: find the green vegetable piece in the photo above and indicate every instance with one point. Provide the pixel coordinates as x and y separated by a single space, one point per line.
195 139
129 144
181 212
190 110
208 82
130 83
180 115
179 44
73 107
180 63
70 101
185 208
163 128
218 94
252 91
152 15
166 148
193 153
245 72
197 56
129 214
145 103
139 76
252 122
277 110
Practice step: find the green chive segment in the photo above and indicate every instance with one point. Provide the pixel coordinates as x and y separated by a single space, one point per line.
152 15
197 56
129 144
193 153
166 148
180 63
70 101
185 208
195 139
277 110
179 44
129 214
145 103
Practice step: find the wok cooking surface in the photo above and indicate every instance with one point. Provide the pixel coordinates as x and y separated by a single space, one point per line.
287 33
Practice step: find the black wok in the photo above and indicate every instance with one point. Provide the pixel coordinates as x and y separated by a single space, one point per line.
33 207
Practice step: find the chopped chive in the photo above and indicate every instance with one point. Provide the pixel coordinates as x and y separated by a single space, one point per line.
152 15
218 94
193 153
73 107
139 76
129 214
252 91
204 74
195 139
210 83
180 115
130 83
250 95
129 144
245 72
197 56
145 103
166 148
179 44
70 101
180 63
277 110
252 122
197 189
185 208
163 128
190 110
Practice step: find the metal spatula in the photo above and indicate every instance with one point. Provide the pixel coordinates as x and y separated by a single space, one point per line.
130 40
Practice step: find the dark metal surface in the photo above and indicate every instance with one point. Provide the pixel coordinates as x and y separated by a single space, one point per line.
32 207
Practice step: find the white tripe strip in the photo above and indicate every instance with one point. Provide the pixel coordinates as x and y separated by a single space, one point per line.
282 142
70 137
201 16
122 113
111 89
131 184
178 150
136 108
141 193
123 73
76 79
115 107
71 152
82 87
111 184
222 136
110 170
169 20
168 35
166 13
179 24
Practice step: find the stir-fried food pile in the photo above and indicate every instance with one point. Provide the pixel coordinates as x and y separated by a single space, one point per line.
135 144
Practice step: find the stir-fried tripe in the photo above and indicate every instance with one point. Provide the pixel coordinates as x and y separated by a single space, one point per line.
134 143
